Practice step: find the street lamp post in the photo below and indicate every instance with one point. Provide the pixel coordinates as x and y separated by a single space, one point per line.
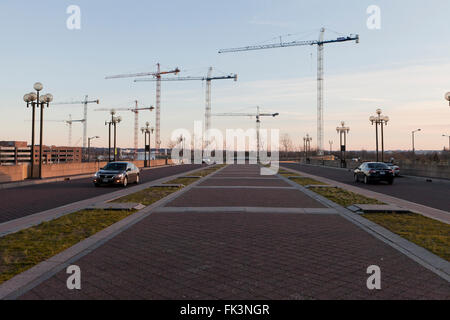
331 146
381 121
307 145
147 131
444 135
113 122
343 131
89 146
412 134
37 101
447 97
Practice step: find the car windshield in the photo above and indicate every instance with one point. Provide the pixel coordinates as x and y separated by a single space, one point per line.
115 166
377 166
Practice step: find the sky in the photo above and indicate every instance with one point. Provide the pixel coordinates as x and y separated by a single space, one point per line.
402 68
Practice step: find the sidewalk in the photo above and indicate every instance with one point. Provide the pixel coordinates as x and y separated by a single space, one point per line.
433 213
237 235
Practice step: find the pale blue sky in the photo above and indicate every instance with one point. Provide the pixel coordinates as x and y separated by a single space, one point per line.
402 68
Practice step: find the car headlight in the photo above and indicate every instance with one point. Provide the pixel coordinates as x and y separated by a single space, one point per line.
119 176
96 175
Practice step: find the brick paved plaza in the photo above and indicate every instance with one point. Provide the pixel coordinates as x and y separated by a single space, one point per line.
219 253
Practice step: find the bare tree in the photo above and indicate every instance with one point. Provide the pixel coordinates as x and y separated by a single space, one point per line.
286 143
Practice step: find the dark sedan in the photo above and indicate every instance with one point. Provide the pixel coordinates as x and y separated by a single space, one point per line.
117 173
374 172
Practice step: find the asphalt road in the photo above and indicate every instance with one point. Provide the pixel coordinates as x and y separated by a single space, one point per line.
434 194
20 202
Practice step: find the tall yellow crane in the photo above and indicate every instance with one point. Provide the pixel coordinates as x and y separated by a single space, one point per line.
157 75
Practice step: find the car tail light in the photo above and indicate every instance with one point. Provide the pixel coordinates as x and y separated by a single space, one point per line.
372 171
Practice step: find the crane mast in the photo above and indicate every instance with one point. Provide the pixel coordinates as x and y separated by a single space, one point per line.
320 73
258 116
209 78
157 75
135 110
85 103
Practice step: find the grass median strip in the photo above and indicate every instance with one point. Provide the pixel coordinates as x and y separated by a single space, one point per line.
307 181
24 249
182 180
148 196
343 197
428 233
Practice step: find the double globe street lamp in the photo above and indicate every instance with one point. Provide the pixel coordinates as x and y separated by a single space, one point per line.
381 121
147 131
343 131
307 145
114 121
35 100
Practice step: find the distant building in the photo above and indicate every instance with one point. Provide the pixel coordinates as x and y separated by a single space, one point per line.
16 144
18 152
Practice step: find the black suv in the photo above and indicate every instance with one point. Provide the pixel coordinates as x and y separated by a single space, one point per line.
374 171
117 173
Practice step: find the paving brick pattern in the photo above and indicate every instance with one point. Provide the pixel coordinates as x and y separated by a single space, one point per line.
225 255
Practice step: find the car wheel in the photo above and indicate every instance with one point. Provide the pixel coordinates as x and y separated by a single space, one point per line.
355 178
137 179
125 182
366 180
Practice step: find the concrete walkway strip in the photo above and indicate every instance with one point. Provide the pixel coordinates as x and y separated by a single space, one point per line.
27 280
420 255
426 211
326 211
241 187
37 218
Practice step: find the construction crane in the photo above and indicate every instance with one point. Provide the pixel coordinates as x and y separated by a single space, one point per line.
258 116
209 78
85 103
157 75
69 122
320 48
135 110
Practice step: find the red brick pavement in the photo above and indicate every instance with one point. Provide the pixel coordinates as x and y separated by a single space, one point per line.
244 256
224 255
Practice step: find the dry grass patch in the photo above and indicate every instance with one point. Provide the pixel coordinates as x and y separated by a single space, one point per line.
307 181
182 180
148 196
343 197
428 233
24 249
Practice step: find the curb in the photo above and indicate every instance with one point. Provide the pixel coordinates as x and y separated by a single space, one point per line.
27 280
27 183
418 254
